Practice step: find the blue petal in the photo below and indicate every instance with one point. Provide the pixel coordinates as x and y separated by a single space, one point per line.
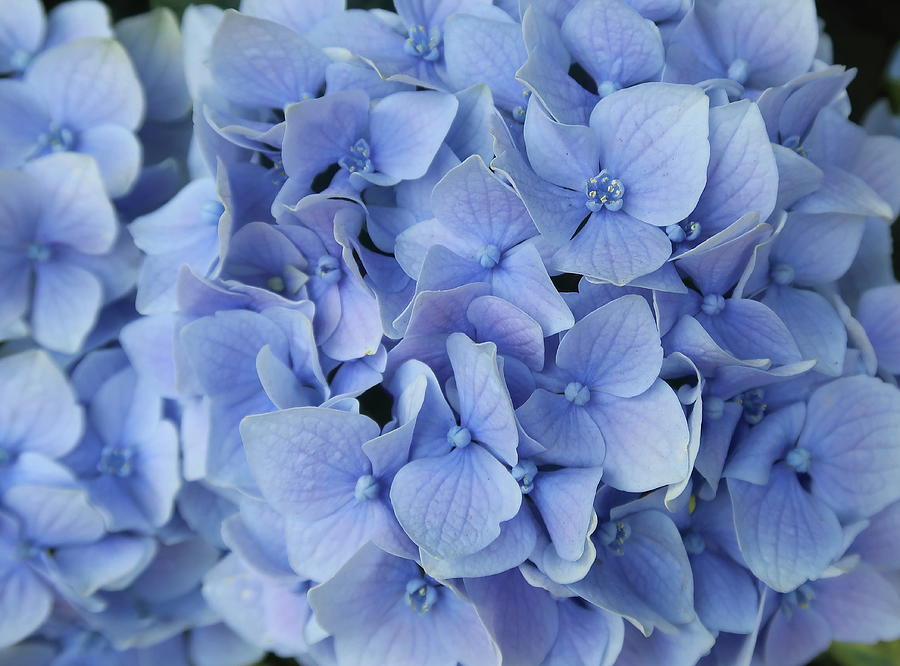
259 63
650 582
853 432
88 82
453 505
38 408
786 536
614 247
523 620
307 459
614 349
484 404
673 119
406 131
613 43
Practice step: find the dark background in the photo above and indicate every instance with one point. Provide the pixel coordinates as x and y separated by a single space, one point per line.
864 33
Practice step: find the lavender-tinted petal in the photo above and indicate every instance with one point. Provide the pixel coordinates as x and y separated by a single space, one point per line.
786 536
484 404
67 300
642 455
38 410
25 603
88 82
259 63
673 119
855 451
453 505
307 459
613 42
523 620
815 326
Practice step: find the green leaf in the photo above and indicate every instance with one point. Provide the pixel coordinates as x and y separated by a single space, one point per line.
855 654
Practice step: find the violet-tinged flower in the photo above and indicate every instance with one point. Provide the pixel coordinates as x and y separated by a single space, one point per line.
802 458
38 411
249 363
396 140
612 194
55 216
457 490
128 459
26 30
642 570
328 472
376 597
480 234
606 405
744 42
83 97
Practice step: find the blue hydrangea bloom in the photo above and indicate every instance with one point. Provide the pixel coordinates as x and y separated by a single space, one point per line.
538 333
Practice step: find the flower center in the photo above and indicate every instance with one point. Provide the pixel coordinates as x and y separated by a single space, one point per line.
684 231
754 405
489 256
577 393
799 459
606 88
524 473
357 159
58 139
459 437
694 543
421 594
423 43
738 70
713 304
366 488
614 535
802 597
782 274
518 112
328 269
117 461
38 252
603 190
793 142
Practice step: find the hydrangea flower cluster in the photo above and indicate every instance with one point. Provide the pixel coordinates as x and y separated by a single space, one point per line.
537 333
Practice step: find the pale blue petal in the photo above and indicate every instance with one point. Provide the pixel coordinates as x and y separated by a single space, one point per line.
484 404
406 131
307 459
259 63
642 455
613 42
853 434
614 349
453 505
647 133
786 536
88 82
